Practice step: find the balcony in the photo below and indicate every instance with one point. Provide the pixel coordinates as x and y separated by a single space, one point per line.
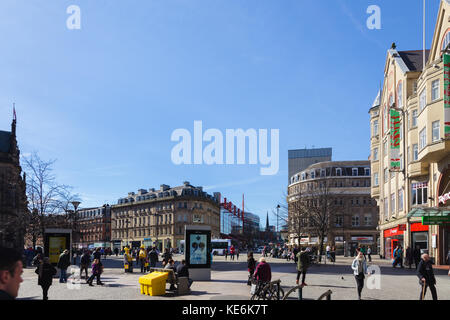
435 151
417 168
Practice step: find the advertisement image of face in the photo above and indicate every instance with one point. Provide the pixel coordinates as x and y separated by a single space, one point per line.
198 249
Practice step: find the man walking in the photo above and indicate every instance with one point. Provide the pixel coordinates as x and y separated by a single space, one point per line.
398 257
302 265
153 257
84 263
416 256
63 264
369 253
426 277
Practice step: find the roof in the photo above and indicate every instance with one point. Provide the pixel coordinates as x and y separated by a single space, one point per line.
5 141
377 101
310 153
414 59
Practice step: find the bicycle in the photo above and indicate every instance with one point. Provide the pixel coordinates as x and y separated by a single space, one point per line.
268 291
326 295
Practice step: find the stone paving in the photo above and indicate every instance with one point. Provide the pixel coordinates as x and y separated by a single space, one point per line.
228 282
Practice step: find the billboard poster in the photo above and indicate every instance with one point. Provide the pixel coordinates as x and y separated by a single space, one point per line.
395 140
56 246
198 248
446 95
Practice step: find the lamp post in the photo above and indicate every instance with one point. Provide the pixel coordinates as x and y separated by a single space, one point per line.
278 208
74 224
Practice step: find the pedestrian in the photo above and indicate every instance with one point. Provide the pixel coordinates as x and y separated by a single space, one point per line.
153 257
409 257
45 273
116 251
11 269
171 266
369 253
302 265
263 273
295 252
127 260
237 253
167 255
226 253
426 277
97 270
359 267
328 249
97 254
183 271
63 264
251 265
398 257
416 256
363 251
143 259
232 251
84 263
37 260
102 253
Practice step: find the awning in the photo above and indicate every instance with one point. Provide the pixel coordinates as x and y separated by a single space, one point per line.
431 215
430 211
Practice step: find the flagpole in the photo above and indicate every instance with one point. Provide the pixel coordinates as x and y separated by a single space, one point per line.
424 44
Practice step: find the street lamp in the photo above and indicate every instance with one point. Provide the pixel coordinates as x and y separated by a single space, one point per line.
74 223
278 208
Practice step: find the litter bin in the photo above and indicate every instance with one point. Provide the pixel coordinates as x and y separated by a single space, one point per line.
154 284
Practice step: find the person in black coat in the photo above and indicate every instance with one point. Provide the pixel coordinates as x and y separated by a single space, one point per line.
45 273
426 277
153 257
416 256
251 266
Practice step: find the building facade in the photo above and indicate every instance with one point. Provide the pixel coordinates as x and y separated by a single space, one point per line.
158 217
93 227
353 215
13 200
300 159
410 158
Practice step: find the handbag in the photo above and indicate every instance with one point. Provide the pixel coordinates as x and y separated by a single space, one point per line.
253 289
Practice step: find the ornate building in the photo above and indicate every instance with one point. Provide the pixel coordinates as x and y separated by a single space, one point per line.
157 217
13 200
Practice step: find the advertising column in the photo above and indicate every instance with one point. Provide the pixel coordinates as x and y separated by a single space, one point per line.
198 252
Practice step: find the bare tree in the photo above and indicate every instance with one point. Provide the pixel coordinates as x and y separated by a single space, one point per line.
46 198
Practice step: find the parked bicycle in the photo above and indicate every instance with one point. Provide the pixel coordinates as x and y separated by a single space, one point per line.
268 291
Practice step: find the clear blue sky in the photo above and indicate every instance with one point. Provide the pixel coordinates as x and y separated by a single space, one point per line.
104 100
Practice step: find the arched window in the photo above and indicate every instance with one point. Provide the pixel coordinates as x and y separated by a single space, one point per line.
445 40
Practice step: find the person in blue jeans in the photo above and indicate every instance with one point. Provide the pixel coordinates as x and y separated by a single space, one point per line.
63 264
398 257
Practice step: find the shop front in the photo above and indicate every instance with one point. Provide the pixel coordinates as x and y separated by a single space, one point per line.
420 236
392 238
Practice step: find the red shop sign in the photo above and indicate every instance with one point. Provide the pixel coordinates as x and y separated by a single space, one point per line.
395 231
418 227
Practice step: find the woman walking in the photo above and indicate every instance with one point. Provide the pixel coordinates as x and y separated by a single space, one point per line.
359 267
251 265
97 269
45 272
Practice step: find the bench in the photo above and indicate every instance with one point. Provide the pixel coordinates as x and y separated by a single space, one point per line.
182 283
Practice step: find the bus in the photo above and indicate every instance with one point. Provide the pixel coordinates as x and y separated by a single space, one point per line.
218 246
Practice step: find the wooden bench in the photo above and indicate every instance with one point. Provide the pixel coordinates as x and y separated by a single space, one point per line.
182 283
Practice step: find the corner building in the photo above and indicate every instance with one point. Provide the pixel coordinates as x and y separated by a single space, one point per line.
410 152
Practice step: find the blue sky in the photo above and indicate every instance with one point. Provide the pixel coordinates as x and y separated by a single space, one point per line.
104 100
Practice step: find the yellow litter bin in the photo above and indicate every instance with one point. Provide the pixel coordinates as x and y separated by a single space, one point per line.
154 284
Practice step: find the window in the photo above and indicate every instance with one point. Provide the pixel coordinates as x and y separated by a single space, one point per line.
386 176
313 174
393 203
385 148
368 220
338 172
415 86
367 171
375 179
435 90
414 118
303 176
375 154
385 119
355 221
322 172
423 138
386 204
375 127
354 172
400 200
419 193
339 221
400 95
423 99
435 131
415 155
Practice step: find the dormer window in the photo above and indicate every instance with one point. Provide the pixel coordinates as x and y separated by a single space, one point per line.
338 172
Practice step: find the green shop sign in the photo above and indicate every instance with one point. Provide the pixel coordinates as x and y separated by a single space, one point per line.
431 220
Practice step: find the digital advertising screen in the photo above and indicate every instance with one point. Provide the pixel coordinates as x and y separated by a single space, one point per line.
198 248
55 244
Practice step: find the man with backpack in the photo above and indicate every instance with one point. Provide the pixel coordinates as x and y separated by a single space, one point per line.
398 257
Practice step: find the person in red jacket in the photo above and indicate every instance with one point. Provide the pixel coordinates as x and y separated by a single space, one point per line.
263 272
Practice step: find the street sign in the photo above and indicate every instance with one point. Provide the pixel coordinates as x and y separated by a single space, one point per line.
434 220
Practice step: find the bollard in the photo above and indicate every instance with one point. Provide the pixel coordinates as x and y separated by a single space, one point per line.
300 293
